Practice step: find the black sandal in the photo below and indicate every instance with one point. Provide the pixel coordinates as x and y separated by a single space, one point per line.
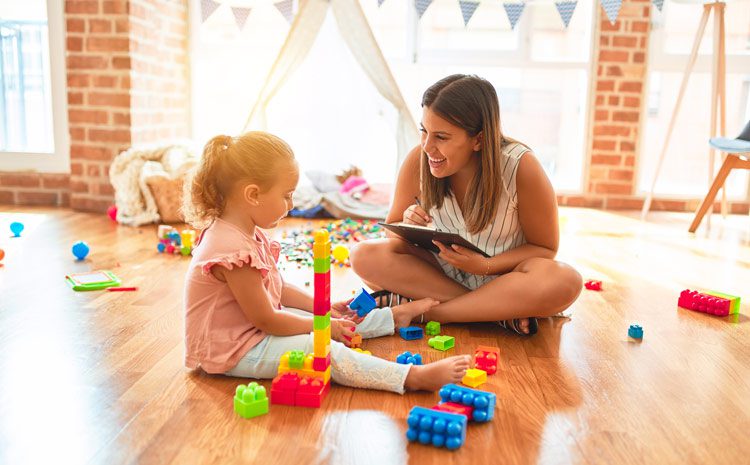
385 298
515 326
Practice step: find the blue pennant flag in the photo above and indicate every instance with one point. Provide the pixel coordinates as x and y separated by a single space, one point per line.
421 6
207 9
285 7
468 7
659 4
612 8
566 9
514 11
240 16
380 2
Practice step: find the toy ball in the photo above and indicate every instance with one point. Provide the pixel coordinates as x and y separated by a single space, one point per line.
16 228
80 250
112 212
161 247
340 253
2 254
170 249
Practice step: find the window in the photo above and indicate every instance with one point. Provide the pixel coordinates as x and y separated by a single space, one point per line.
684 171
32 87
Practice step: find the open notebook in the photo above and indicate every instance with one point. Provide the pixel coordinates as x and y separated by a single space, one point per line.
423 237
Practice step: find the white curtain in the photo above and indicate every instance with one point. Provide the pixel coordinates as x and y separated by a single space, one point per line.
357 34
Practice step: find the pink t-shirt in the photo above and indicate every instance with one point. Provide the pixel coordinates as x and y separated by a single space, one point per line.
217 332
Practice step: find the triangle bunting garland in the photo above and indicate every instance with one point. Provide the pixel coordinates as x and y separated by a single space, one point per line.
514 11
240 16
421 6
207 9
565 9
612 8
285 7
468 7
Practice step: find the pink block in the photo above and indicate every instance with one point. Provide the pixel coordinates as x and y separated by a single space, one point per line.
452 407
321 308
704 303
322 363
323 282
311 392
284 388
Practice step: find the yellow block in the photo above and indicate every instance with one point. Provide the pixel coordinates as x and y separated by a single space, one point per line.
321 340
474 377
321 235
322 249
322 353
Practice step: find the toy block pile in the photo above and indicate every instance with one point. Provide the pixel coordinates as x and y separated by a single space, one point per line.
711 302
305 379
173 242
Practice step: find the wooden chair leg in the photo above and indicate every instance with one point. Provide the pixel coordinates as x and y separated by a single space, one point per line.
721 176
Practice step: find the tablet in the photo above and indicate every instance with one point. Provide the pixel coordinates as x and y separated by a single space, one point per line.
92 281
423 237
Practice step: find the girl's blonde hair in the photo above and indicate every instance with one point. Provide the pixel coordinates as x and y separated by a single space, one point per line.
471 103
252 157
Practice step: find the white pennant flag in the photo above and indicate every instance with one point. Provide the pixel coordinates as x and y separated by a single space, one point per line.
240 16
659 4
468 7
514 11
285 7
566 9
207 9
612 8
421 6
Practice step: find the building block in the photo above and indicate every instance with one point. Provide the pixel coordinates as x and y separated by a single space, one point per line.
321 235
482 402
356 341
366 352
321 340
635 331
441 342
441 429
322 322
296 359
704 303
321 305
311 392
411 332
308 372
322 249
322 283
251 400
452 407
322 363
593 285
432 328
734 306
363 303
322 351
284 388
322 265
485 358
474 377
407 358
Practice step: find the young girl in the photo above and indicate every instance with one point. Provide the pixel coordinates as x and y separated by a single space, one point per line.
239 317
491 190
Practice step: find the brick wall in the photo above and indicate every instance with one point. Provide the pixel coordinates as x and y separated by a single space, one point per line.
127 76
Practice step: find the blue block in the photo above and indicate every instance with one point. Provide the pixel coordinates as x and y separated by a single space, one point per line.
411 332
407 358
635 331
483 402
363 303
441 429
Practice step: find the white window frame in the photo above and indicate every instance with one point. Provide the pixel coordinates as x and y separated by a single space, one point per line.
59 160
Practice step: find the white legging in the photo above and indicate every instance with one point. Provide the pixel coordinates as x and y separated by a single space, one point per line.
348 367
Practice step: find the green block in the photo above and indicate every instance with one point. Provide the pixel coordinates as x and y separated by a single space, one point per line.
296 359
432 328
251 400
442 342
322 265
734 305
322 322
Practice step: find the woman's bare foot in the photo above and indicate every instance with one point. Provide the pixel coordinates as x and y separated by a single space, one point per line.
522 326
433 376
404 313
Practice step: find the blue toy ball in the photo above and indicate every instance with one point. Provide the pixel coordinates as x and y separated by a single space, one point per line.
16 228
161 247
80 250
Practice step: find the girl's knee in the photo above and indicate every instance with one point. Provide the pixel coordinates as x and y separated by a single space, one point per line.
564 284
361 257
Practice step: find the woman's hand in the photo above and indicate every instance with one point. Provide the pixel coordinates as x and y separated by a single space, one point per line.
415 214
341 310
342 330
464 259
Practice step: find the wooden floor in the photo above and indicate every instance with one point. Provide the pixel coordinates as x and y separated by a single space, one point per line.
98 377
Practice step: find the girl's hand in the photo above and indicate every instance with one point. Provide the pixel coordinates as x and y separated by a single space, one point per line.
416 215
342 330
342 310
464 259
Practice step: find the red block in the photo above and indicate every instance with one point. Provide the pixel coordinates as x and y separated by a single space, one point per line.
322 363
322 282
321 306
284 388
452 407
311 392
485 358
593 285
704 303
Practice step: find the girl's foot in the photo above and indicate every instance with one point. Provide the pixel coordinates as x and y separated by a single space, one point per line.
433 376
404 313
521 326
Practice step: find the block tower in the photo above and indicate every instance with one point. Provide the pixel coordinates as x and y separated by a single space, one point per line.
305 379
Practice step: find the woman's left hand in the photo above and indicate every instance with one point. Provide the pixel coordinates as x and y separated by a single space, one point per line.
464 259
342 310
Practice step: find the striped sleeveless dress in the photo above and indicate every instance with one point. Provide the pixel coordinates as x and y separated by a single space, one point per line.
502 234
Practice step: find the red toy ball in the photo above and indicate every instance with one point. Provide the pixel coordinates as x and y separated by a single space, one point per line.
593 285
112 212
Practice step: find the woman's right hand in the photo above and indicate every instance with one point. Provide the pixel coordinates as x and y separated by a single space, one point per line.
416 215
342 330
